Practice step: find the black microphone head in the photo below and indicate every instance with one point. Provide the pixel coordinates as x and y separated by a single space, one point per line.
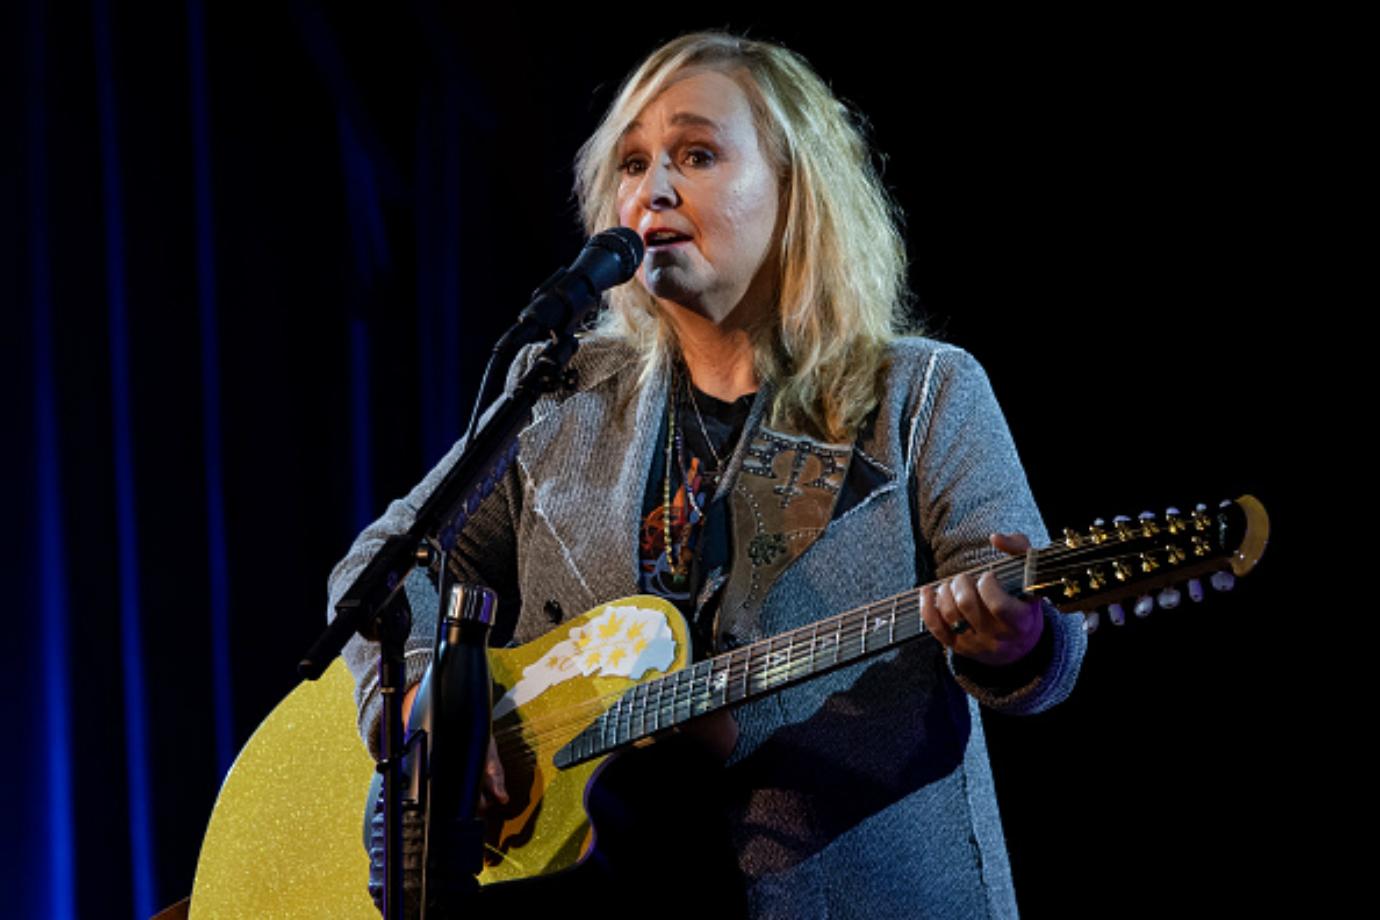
611 257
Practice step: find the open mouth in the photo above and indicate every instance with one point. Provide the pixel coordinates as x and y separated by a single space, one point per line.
656 238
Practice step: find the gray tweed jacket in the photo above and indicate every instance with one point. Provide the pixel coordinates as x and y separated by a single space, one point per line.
861 793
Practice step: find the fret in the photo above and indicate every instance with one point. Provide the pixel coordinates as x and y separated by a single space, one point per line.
640 710
838 637
657 684
777 661
691 689
718 679
891 631
702 699
747 669
625 717
814 646
671 718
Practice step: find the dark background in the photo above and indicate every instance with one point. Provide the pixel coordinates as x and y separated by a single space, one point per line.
244 310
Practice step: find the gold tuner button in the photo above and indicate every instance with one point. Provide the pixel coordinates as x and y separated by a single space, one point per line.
1173 521
1122 525
1071 538
1096 579
1174 554
1201 547
1096 533
1121 570
1148 563
1071 587
1148 525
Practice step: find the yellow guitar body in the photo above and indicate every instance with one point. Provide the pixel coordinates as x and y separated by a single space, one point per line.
299 785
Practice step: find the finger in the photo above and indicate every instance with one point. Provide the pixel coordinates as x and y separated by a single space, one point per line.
1013 544
1005 609
493 775
934 621
969 605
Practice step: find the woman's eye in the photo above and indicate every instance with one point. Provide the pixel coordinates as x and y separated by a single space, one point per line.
633 166
699 157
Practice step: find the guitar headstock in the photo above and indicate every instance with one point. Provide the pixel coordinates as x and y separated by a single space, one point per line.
1148 558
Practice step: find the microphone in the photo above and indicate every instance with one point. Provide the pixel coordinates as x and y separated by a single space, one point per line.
608 259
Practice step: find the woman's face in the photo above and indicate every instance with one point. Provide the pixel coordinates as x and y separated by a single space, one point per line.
696 186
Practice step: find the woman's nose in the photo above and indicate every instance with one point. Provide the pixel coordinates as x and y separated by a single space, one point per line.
658 187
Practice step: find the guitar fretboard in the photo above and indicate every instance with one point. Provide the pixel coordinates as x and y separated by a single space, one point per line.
744 674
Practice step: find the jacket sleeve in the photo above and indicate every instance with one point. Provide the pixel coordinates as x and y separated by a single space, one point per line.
485 553
969 483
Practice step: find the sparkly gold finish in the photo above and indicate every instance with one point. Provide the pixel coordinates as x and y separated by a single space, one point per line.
1097 535
544 827
1148 563
1148 527
285 836
1121 570
1071 588
1174 554
1096 578
1071 538
1124 531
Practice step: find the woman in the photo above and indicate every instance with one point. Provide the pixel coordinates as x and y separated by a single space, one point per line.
788 456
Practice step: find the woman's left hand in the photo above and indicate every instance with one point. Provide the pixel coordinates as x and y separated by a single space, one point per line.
978 619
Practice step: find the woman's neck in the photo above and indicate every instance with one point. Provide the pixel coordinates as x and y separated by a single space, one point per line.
719 357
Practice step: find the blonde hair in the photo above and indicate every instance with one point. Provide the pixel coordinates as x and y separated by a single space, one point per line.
842 293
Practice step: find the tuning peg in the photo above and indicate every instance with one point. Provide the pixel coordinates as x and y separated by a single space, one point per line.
1116 614
1169 598
1223 580
1148 526
1195 590
1145 605
1173 520
1122 525
1091 619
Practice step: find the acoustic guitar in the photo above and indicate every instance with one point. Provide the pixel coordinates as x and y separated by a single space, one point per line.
619 676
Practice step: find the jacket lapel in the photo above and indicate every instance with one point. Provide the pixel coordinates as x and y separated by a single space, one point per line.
586 466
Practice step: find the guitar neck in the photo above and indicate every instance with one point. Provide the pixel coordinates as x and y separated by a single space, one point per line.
1099 566
752 672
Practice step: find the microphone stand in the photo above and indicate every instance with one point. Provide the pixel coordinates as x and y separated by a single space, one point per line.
375 605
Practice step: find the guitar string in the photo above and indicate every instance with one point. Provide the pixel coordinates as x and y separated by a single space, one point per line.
515 751
801 661
560 723
752 664
1002 570
758 650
